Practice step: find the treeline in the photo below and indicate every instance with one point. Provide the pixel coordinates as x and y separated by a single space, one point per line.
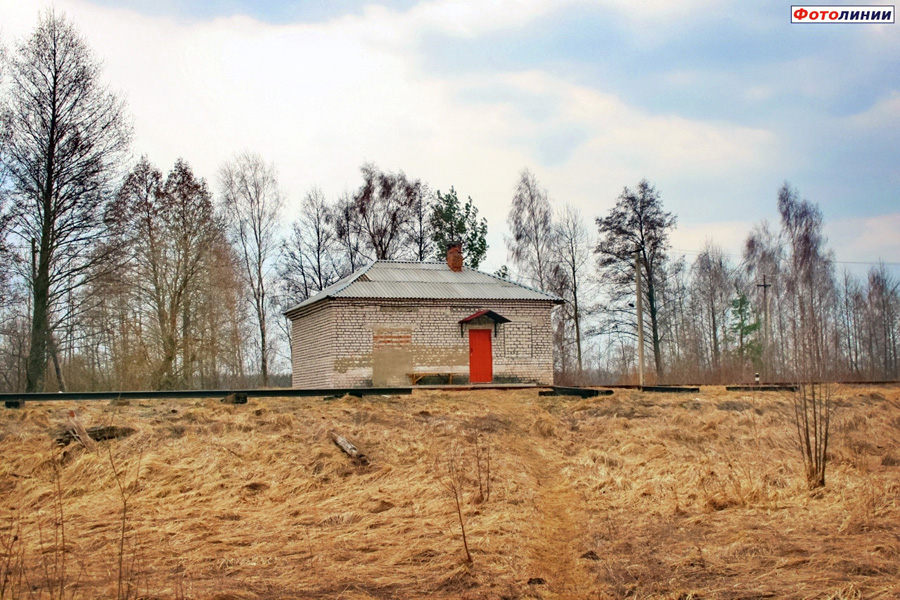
120 275
781 310
117 275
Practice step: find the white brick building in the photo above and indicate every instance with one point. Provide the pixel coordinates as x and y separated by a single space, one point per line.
392 323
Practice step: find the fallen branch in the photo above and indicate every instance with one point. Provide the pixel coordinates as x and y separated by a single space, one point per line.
67 436
79 433
349 449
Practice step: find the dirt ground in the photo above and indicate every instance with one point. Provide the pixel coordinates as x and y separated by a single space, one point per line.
634 495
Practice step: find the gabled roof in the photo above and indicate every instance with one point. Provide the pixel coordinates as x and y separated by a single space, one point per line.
391 279
495 317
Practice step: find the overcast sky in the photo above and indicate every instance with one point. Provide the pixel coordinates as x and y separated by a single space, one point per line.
715 103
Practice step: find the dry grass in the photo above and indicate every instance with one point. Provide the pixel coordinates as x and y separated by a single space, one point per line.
634 495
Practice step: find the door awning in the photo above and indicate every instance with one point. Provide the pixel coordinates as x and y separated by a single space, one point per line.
495 317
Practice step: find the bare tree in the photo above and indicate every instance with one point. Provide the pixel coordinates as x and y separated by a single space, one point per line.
572 249
712 287
67 136
348 233
764 260
5 252
530 221
637 224
220 319
309 260
419 228
809 285
850 320
10 335
251 202
385 205
810 288
882 323
5 215
170 232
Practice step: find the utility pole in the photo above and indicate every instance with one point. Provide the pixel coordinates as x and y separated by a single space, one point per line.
766 333
640 314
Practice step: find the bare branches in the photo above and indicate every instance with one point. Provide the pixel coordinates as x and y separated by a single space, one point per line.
126 492
67 137
311 256
173 241
251 202
531 230
384 206
639 224
453 483
812 419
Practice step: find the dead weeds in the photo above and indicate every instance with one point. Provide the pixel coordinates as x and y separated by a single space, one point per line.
633 495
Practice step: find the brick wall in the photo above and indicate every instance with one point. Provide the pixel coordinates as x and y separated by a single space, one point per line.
313 347
346 342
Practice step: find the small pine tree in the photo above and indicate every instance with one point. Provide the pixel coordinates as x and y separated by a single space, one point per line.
743 326
452 221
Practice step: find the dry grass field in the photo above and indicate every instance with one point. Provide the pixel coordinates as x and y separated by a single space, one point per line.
636 495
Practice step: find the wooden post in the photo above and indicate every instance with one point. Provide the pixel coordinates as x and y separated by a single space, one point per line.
766 329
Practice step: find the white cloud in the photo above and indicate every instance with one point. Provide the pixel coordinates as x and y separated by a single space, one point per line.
320 99
730 236
866 239
467 19
884 111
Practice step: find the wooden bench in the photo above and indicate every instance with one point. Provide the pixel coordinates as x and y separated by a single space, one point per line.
415 377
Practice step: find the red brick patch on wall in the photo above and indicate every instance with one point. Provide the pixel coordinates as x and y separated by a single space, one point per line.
382 340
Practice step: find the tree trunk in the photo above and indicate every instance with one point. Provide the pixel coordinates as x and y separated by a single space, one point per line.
187 346
40 321
54 353
264 352
715 336
654 324
36 363
577 333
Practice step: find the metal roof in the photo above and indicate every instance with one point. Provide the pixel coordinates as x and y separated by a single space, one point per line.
427 281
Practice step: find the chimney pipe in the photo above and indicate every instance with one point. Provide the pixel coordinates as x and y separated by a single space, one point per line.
454 256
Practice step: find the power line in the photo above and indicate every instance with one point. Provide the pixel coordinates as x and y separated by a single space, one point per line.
856 262
837 262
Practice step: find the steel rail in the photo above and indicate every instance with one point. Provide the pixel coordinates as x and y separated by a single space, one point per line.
17 398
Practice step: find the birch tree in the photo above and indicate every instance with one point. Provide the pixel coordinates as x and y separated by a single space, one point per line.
573 248
251 202
530 221
310 258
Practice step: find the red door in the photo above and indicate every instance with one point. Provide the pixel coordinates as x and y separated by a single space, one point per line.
481 364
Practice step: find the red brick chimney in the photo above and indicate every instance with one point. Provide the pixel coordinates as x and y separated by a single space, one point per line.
454 256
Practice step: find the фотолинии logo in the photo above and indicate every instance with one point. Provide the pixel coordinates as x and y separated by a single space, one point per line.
808 13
